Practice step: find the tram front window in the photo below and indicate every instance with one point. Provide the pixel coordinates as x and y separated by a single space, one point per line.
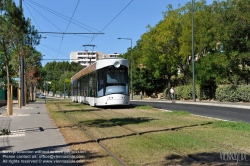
116 77
116 81
113 80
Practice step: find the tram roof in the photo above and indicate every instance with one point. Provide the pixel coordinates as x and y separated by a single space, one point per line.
101 63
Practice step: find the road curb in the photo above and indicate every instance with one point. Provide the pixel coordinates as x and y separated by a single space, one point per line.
199 103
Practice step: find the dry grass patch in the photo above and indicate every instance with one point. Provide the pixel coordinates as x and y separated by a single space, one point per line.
110 113
80 116
99 127
108 132
79 141
137 150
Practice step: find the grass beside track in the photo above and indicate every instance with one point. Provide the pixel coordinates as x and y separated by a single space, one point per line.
163 138
75 137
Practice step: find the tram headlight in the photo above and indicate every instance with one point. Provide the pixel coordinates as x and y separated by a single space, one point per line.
117 64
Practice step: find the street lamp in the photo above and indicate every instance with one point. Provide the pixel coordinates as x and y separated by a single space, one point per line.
131 65
193 51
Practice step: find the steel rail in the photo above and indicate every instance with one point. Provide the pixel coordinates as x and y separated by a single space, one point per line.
93 138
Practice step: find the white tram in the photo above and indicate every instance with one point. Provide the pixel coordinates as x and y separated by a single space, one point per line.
103 83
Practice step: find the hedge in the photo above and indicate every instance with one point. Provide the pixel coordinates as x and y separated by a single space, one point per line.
233 93
228 93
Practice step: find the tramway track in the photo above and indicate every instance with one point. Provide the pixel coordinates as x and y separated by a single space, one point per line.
142 134
182 128
93 138
197 137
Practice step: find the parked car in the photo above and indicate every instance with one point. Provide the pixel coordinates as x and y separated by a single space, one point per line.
42 96
38 94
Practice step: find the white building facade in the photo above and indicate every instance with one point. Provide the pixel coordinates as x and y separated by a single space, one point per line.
115 55
85 58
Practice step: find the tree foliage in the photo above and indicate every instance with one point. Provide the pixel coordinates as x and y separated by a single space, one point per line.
12 23
221 48
17 38
59 73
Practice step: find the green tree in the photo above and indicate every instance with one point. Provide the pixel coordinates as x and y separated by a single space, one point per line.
161 46
12 28
54 73
65 82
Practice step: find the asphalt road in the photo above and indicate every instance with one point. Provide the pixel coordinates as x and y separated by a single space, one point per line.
221 112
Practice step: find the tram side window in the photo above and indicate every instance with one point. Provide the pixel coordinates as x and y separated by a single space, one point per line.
82 86
90 82
101 82
94 85
71 89
75 87
85 78
78 87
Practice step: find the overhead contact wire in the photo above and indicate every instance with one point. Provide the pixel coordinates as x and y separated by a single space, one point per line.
53 49
45 18
67 27
64 17
32 16
113 19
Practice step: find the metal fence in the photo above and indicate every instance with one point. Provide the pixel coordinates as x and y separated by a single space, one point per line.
3 95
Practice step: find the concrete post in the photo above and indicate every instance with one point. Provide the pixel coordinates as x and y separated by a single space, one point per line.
19 97
9 100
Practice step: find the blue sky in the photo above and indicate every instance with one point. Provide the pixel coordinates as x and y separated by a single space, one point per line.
115 18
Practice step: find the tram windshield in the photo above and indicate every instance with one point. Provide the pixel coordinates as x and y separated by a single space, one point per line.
116 77
113 81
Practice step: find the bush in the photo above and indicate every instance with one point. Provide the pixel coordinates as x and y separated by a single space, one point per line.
166 94
183 92
233 93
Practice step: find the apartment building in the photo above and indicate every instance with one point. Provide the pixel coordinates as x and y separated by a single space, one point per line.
115 55
85 58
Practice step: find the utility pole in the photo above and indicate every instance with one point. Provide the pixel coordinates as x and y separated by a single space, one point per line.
194 97
64 85
45 84
21 75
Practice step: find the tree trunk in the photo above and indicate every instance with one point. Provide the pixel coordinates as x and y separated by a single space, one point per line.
19 86
19 97
9 100
9 87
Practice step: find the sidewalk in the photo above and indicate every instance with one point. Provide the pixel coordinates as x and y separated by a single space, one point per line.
32 131
197 102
